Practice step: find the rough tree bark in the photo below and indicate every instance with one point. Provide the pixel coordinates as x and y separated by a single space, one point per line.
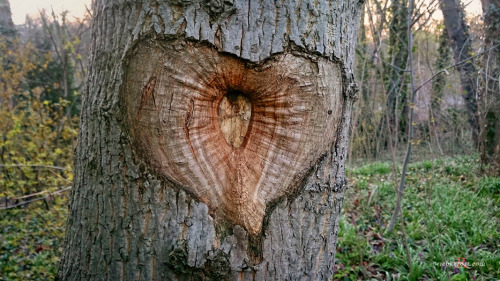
212 141
490 96
461 44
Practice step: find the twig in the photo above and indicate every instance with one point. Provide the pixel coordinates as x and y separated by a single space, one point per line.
398 209
437 73
455 65
33 166
29 195
36 199
384 61
410 140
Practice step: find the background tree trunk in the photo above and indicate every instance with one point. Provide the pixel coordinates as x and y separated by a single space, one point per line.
461 45
491 89
149 200
6 25
395 75
439 82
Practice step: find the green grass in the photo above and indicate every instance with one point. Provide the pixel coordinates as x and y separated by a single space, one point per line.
449 212
380 168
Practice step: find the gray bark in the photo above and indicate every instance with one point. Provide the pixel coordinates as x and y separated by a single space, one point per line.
128 221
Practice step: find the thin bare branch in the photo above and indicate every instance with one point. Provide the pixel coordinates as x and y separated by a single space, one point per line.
455 65
34 166
58 192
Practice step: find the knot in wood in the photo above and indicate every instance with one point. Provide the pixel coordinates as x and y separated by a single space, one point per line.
235 112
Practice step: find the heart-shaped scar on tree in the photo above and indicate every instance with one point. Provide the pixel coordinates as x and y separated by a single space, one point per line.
236 135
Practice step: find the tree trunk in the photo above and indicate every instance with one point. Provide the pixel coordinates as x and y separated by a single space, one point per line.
439 82
461 45
6 25
490 96
396 78
212 141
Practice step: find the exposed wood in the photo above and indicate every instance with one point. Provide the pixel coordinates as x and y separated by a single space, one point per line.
158 144
181 128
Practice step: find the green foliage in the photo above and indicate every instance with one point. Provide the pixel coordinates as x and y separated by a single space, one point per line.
37 134
38 128
31 241
34 133
449 212
490 186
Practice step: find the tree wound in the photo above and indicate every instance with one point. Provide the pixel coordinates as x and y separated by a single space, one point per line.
235 136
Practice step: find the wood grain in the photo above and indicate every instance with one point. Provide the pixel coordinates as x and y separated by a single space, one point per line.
234 134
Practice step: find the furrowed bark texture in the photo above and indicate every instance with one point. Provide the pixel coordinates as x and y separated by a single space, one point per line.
213 139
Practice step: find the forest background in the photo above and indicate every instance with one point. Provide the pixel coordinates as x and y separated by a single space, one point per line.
423 161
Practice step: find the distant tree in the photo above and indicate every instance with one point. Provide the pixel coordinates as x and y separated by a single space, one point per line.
6 25
490 96
461 44
60 51
61 43
443 60
395 71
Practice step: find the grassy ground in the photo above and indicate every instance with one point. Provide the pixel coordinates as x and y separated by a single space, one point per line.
449 212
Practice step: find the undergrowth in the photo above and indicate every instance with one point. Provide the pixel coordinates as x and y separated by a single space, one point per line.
449 212
31 241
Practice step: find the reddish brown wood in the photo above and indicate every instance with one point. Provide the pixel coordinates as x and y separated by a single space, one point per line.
234 134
